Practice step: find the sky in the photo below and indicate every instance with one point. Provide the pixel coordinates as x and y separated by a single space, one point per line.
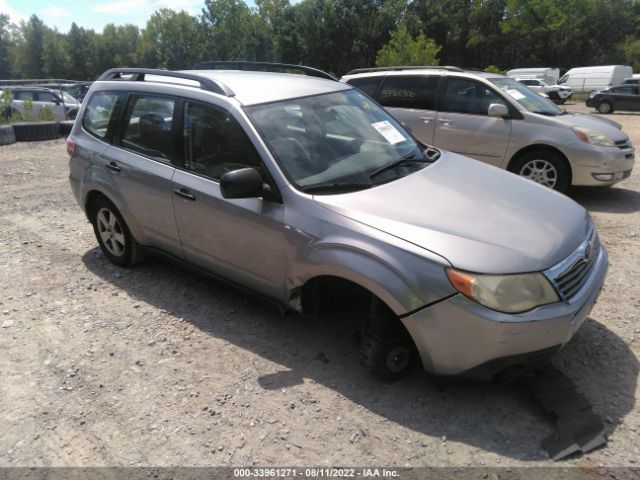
93 13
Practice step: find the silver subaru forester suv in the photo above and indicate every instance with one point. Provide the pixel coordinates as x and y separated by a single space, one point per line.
308 192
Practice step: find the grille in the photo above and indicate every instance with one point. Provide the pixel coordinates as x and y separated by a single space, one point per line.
626 174
570 275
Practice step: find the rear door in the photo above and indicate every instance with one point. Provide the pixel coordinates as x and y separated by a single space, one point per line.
463 125
240 239
411 99
139 164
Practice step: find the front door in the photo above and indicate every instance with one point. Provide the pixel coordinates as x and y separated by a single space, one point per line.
240 239
463 125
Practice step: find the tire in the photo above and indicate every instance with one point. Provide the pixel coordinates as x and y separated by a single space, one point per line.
65 128
388 358
545 167
113 234
605 107
36 131
7 135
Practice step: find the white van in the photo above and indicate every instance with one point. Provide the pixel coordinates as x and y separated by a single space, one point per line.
592 79
546 74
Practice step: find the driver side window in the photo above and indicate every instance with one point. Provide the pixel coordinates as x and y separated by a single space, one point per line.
215 143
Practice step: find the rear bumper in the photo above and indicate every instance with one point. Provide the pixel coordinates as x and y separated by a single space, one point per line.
460 337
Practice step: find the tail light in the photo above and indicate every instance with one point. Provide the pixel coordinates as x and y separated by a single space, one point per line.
71 147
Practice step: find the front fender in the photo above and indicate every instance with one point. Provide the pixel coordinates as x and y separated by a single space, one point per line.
402 280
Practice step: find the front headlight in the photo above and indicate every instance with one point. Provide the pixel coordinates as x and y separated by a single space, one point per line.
505 293
592 94
593 137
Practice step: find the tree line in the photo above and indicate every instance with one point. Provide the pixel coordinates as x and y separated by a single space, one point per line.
336 36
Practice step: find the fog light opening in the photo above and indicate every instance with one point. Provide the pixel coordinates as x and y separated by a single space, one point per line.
603 177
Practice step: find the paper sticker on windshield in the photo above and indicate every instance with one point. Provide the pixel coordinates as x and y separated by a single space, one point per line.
389 132
515 93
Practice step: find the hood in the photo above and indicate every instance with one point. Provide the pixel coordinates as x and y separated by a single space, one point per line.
600 118
609 128
480 218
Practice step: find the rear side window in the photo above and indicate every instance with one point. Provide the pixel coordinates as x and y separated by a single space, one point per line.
98 113
215 142
148 128
412 91
368 85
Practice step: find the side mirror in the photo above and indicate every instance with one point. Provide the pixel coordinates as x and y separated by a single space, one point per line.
242 183
498 110
57 100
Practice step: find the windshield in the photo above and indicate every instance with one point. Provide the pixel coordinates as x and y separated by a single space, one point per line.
68 98
526 97
336 140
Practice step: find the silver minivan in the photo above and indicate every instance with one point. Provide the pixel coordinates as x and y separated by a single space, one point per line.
499 121
304 190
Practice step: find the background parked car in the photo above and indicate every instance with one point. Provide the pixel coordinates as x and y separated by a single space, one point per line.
498 120
622 97
556 93
62 105
76 90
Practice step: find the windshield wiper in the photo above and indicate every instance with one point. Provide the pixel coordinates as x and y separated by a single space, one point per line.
337 187
411 157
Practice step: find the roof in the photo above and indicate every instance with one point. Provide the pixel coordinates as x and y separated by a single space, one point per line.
423 71
246 87
252 88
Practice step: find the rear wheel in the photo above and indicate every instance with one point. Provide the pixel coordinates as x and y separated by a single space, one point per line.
544 167
605 107
112 233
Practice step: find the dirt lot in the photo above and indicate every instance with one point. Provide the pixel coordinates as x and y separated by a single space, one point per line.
158 366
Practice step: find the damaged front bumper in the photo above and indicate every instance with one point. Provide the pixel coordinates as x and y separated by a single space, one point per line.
460 337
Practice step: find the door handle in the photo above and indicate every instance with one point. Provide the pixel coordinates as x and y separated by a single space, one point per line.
185 194
425 118
113 166
444 120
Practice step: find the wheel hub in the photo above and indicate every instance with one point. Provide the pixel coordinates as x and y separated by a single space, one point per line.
540 171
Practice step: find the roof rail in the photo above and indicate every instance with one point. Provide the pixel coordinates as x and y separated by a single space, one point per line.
138 75
263 67
398 68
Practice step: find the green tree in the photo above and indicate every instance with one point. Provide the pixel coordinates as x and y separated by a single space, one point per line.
79 43
5 42
55 55
404 49
170 40
234 32
30 55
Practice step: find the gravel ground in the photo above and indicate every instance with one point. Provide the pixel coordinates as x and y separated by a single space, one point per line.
103 366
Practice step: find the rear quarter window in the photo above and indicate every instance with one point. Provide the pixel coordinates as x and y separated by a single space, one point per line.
410 91
100 110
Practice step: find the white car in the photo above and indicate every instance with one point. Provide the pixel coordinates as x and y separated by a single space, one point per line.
62 105
557 93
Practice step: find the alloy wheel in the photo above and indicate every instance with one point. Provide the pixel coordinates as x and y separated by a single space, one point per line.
111 232
540 171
